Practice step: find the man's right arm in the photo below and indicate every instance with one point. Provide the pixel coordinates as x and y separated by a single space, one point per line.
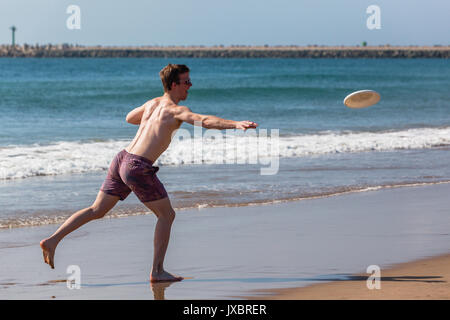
135 115
209 121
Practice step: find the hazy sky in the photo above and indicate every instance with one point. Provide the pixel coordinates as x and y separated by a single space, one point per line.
227 22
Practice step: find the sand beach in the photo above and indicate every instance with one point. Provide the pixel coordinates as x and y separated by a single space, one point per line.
424 279
249 251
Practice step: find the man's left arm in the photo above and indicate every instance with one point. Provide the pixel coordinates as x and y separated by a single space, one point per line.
135 115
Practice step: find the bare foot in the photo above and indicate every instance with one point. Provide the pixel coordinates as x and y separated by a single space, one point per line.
48 251
163 276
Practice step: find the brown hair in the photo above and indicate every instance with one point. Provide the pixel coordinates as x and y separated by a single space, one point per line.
171 73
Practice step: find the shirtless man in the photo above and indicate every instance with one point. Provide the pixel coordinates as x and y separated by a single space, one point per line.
132 169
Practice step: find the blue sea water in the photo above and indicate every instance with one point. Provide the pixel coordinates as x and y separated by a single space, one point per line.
62 121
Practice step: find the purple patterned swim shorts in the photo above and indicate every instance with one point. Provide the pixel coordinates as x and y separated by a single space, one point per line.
129 172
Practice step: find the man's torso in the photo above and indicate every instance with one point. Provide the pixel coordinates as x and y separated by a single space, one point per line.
156 129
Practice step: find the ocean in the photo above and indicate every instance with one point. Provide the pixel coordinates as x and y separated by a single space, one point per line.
63 120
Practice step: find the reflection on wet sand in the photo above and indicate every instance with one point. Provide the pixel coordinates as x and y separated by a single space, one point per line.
159 288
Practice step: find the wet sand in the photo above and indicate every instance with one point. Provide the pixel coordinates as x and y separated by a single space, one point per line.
425 279
233 253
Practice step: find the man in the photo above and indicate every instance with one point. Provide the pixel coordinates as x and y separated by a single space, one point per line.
132 169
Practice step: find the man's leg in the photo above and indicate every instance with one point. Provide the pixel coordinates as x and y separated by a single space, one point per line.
101 206
165 213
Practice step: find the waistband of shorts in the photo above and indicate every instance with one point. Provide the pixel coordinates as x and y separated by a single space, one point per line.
135 156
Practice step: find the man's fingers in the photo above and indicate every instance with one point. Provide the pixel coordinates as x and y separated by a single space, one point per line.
248 125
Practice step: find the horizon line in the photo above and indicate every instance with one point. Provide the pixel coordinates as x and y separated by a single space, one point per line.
224 46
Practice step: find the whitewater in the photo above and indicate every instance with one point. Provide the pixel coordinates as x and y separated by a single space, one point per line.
68 157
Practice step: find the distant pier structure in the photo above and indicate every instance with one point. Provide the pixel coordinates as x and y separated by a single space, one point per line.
13 29
76 51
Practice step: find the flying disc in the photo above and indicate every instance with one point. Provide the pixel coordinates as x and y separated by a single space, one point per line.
361 99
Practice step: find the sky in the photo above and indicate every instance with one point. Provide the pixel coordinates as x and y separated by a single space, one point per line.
229 22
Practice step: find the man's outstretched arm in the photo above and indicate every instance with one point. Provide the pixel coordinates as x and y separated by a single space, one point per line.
211 122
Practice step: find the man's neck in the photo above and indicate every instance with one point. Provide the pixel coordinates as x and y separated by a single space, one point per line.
171 97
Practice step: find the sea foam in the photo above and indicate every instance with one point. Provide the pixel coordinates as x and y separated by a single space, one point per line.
22 161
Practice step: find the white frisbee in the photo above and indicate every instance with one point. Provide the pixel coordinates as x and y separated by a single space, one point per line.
361 99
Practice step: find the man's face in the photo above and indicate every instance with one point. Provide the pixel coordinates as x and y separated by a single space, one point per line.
183 86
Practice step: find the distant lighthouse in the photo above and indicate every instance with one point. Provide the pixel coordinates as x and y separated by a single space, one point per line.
13 29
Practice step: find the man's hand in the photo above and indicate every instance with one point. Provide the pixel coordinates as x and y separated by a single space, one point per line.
244 125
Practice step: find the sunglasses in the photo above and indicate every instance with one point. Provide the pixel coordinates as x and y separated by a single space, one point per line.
187 82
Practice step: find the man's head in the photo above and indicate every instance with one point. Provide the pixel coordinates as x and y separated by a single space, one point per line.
175 79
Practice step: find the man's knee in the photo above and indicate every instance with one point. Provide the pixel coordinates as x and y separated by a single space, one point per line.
171 215
97 212
167 214
162 209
